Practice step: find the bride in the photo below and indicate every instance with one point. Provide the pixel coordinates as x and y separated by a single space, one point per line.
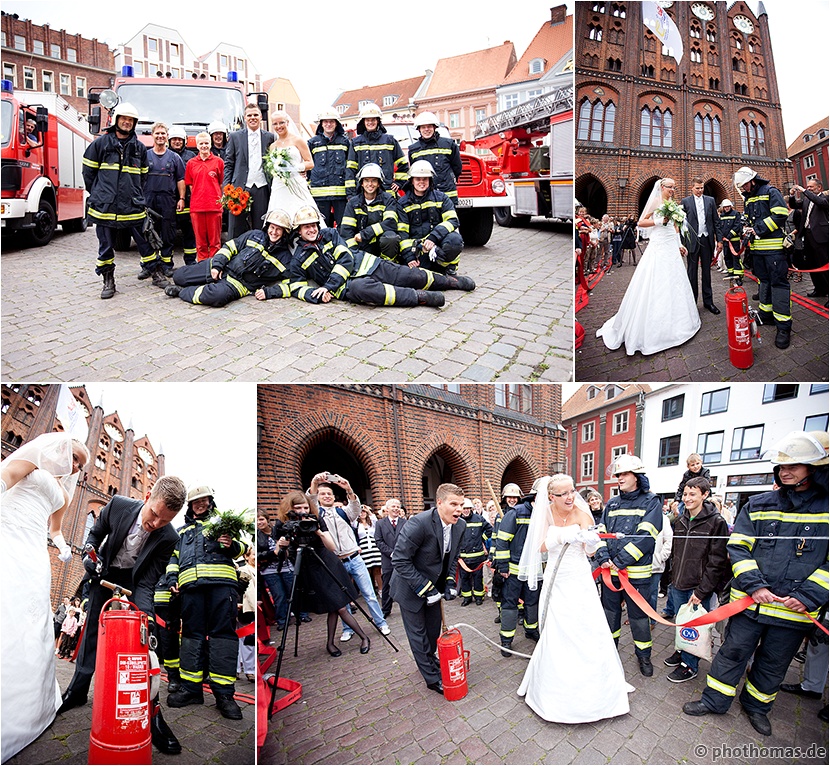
575 674
38 481
658 310
290 192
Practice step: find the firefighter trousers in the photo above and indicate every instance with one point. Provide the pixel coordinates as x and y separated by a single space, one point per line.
391 284
449 252
771 268
774 647
514 589
168 624
164 203
332 209
106 248
208 630
199 287
639 622
472 583
188 237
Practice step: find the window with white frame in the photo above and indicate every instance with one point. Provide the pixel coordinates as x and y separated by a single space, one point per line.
138 68
10 72
537 66
71 55
455 120
341 108
364 102
617 451
29 77
531 94
38 47
55 51
66 84
511 100
389 100
809 161
80 87
3 38
620 422
48 81
19 43
481 114
587 465
588 432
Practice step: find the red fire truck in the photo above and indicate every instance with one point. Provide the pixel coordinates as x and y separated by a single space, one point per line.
43 143
533 144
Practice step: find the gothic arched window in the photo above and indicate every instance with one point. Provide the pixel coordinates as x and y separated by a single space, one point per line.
707 134
655 127
596 121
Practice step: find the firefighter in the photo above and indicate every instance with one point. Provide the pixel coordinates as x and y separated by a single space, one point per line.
473 554
168 625
358 277
766 214
255 262
218 132
428 223
509 544
638 514
115 168
374 144
778 550
730 228
327 180
511 494
177 140
442 153
370 221
203 573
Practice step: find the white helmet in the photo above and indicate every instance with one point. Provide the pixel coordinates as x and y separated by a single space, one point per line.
305 214
511 490
726 203
370 110
201 490
328 114
177 132
626 463
421 169
426 118
468 503
217 126
797 447
125 109
821 438
279 218
370 170
743 175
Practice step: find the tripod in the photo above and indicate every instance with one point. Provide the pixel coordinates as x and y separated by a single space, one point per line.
302 548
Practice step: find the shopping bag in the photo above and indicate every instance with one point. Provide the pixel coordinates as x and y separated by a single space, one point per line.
694 640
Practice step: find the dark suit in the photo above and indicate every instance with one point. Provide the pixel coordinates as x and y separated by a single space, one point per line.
386 535
107 536
701 249
815 235
236 173
419 565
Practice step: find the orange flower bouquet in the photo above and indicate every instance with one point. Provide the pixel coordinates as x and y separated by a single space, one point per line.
235 199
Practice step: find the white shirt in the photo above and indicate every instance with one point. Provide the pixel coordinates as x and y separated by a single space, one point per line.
701 216
256 176
447 533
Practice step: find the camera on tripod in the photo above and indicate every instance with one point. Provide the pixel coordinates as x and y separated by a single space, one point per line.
301 528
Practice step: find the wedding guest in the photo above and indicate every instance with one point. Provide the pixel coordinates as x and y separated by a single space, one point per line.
812 201
369 551
387 531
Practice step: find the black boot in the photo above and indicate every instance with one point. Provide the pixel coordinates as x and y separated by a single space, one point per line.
461 283
174 680
466 601
782 338
507 643
159 279
646 668
183 697
71 699
226 705
427 298
109 285
172 291
164 739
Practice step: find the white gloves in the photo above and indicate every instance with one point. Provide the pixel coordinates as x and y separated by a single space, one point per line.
64 551
589 537
433 597
572 535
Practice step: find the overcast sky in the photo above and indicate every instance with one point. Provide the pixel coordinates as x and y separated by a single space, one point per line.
207 431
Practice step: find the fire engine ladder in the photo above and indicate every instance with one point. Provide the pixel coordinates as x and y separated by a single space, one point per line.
534 114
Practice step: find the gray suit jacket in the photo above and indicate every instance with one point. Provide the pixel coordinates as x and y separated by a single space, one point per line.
385 537
236 155
419 556
710 211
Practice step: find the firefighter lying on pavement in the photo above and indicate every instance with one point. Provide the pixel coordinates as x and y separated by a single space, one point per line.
370 221
114 169
202 572
322 256
637 513
428 223
778 550
473 554
255 262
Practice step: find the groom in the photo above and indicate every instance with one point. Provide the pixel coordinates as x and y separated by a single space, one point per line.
701 217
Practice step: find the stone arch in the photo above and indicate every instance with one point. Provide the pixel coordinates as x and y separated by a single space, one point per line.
519 468
592 192
454 453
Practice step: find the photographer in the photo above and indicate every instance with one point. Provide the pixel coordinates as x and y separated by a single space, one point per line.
317 591
275 567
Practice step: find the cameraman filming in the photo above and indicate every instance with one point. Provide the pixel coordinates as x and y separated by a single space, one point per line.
317 591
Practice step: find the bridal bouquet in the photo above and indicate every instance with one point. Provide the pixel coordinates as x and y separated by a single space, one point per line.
235 199
231 523
278 163
673 212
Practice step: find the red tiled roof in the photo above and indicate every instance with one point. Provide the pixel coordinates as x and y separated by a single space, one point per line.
800 145
472 71
551 43
403 89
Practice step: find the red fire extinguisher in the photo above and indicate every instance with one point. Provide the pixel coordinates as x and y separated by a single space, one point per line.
455 662
121 703
739 328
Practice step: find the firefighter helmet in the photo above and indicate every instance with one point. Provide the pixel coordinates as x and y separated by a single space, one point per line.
370 110
217 126
797 447
328 114
742 175
425 118
627 463
468 503
421 169
200 490
535 488
177 132
279 218
726 203
305 214
511 490
821 438
370 170
125 109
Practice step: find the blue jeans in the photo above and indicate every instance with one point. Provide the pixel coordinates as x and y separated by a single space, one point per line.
676 599
356 567
279 586
654 589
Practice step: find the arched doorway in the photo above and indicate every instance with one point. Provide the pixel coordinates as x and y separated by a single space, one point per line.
715 189
329 454
645 192
518 472
591 193
443 466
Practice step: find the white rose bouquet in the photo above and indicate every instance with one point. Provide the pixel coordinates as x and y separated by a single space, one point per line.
673 212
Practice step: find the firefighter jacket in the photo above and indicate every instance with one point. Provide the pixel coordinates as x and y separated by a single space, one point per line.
114 173
730 226
445 158
379 147
478 531
329 263
699 558
328 176
763 557
199 561
511 536
766 213
638 515
369 219
254 261
432 217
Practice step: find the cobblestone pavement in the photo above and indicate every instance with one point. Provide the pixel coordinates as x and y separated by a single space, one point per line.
204 735
516 326
706 356
376 709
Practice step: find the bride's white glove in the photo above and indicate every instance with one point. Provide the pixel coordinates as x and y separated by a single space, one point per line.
588 537
560 535
64 551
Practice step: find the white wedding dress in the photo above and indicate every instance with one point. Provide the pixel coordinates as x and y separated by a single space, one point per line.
658 310
575 674
291 195
30 696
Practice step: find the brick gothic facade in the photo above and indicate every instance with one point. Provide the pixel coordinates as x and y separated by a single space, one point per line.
120 464
640 115
401 441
